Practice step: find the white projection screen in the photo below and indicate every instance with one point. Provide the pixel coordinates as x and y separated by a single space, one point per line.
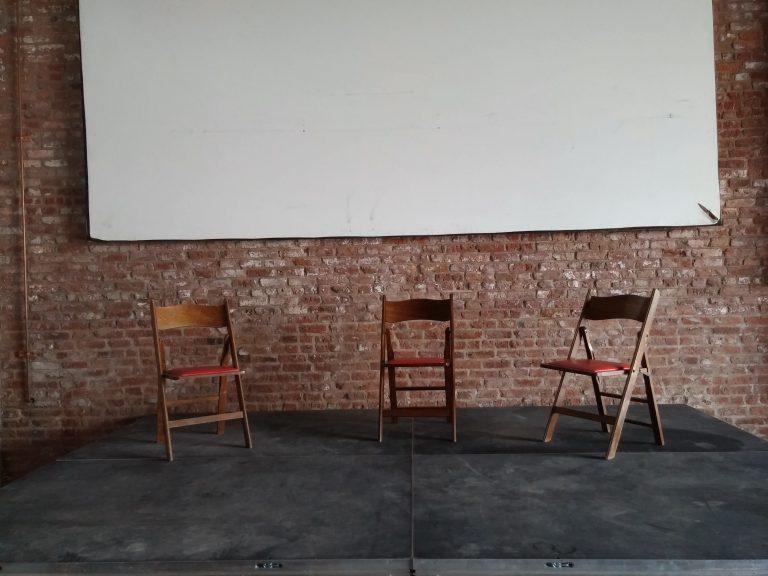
311 118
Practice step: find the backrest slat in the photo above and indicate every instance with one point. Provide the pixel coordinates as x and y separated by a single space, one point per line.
417 309
190 316
628 307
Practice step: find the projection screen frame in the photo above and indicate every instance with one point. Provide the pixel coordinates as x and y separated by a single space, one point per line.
704 207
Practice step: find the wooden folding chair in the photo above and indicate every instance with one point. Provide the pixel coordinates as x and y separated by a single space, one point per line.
404 311
628 307
197 316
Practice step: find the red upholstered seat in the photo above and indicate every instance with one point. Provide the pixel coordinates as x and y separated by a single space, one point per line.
415 362
585 366
193 371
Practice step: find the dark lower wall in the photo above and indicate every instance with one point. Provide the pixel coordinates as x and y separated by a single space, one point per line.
307 310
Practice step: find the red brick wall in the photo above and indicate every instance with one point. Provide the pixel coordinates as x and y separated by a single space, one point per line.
307 309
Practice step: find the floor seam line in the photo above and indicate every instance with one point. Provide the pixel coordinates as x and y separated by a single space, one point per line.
411 562
288 456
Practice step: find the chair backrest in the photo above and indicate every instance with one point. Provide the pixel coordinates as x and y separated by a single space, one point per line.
190 316
416 309
623 307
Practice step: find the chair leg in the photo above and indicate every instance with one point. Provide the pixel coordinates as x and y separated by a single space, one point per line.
448 394
160 436
241 402
223 384
381 404
166 427
599 400
653 408
392 390
552 422
450 389
621 414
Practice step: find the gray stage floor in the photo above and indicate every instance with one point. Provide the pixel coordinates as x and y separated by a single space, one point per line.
318 495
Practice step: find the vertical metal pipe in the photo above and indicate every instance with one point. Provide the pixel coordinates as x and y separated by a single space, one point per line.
23 200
